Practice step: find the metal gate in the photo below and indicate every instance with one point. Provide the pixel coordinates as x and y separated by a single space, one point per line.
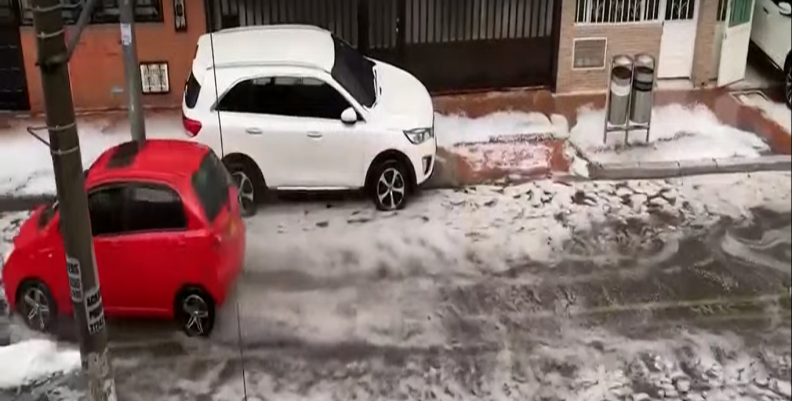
13 86
450 45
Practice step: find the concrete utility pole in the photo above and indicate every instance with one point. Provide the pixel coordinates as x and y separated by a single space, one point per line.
132 70
73 202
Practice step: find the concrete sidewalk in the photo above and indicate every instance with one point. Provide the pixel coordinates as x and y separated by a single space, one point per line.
724 104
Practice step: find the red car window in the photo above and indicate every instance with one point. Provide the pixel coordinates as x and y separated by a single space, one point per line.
128 208
106 208
211 183
154 208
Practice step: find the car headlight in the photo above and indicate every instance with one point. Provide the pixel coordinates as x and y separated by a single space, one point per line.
419 135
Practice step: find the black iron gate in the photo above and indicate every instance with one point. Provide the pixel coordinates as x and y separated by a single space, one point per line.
450 45
13 86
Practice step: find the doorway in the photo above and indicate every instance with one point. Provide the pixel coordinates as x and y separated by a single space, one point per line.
678 40
13 85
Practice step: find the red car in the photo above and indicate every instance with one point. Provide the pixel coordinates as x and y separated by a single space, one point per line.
168 238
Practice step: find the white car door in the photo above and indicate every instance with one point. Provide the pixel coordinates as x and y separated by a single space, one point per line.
270 140
332 152
335 152
778 39
759 27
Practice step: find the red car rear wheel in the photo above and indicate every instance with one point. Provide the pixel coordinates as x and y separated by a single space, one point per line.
195 312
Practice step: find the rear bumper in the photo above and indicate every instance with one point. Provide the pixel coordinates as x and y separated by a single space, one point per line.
231 271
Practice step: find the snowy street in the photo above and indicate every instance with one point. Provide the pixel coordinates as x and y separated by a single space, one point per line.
639 290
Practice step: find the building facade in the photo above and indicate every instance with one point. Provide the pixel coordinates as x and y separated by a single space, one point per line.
451 45
166 37
686 37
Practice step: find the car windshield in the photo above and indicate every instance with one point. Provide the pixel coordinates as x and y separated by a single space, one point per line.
354 72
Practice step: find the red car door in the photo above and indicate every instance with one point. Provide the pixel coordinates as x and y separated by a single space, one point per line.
150 270
110 265
154 248
108 225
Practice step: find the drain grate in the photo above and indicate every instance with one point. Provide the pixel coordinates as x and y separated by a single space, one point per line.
739 96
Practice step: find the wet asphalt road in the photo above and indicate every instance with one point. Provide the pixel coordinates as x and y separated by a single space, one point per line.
634 311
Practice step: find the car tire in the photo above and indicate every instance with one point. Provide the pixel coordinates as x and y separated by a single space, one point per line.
37 306
249 186
788 85
389 186
195 312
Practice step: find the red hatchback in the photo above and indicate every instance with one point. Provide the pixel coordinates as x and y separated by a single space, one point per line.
168 238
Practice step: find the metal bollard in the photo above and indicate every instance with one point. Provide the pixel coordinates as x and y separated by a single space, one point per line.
642 100
620 82
617 102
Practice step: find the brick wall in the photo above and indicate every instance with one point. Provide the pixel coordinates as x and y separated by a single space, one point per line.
97 69
622 38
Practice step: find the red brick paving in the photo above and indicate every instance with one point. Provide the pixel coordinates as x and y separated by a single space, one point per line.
523 161
555 162
719 100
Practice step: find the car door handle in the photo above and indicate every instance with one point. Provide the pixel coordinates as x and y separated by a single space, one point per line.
253 131
766 10
315 135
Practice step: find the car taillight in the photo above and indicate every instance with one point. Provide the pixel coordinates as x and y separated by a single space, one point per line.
231 228
191 126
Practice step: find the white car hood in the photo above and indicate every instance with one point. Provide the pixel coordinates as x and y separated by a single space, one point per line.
403 102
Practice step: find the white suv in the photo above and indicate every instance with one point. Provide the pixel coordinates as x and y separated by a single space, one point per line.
299 109
772 33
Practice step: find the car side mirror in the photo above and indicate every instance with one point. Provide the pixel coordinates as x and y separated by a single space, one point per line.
349 116
785 9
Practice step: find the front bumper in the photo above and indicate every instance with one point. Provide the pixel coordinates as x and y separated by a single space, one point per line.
424 164
427 168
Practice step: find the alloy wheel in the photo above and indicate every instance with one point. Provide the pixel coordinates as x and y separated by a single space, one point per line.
37 308
246 191
197 313
391 188
789 86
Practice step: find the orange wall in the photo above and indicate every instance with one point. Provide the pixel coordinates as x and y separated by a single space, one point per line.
97 68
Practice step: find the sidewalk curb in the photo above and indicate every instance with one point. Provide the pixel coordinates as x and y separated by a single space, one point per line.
672 169
20 203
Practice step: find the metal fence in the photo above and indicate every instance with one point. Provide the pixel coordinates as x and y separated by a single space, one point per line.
339 16
13 83
616 11
449 44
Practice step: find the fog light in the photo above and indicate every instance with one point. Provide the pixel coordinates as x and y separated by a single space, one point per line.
427 164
